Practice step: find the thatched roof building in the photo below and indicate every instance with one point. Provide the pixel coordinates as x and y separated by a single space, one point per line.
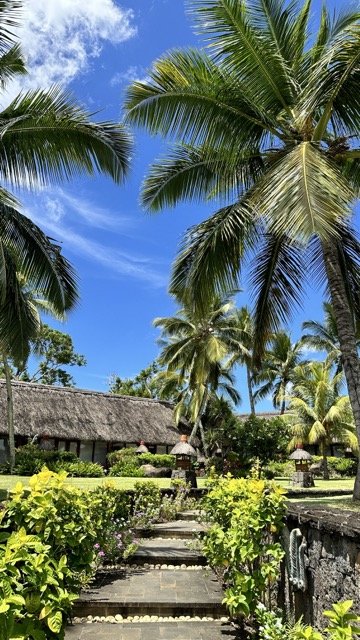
78 416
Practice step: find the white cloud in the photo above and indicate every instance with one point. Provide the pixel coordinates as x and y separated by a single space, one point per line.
60 37
120 262
132 74
58 201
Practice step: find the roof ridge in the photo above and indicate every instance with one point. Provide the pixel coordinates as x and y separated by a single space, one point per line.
51 387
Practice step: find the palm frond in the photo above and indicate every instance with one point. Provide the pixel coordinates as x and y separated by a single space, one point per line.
19 321
12 64
228 24
190 97
46 136
195 173
10 19
303 194
277 276
210 255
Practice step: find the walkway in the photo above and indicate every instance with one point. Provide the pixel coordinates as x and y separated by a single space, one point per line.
165 592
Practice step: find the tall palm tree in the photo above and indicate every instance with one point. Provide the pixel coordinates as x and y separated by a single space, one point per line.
194 348
45 137
20 309
266 118
243 355
322 414
277 369
324 336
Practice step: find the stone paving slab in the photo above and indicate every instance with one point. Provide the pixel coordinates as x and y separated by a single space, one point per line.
188 515
181 592
166 551
177 529
153 631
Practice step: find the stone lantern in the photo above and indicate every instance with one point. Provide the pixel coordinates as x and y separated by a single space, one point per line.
183 451
302 476
142 448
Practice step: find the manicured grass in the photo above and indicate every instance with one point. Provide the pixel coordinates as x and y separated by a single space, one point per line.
7 482
338 502
338 483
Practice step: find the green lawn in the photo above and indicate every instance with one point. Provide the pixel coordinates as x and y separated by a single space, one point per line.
7 482
338 483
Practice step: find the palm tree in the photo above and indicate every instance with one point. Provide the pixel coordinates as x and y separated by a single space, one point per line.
266 118
325 337
243 355
45 137
194 347
322 415
277 370
20 311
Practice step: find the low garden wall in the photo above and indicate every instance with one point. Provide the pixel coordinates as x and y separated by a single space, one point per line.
329 547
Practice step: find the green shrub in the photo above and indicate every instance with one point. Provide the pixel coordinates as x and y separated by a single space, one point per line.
147 502
343 467
30 459
121 455
34 601
79 469
128 468
276 469
246 516
157 459
61 516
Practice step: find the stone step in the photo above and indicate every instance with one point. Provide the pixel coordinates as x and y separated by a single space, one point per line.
192 630
166 551
189 515
157 592
182 529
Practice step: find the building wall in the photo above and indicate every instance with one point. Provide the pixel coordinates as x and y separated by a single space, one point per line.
332 561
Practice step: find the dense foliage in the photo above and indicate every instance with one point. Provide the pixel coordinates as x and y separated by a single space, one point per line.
30 459
126 463
245 517
52 538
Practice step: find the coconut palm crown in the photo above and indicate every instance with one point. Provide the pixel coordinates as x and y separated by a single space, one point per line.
265 120
321 414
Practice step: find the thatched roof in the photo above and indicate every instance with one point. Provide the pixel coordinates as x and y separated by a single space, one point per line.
79 414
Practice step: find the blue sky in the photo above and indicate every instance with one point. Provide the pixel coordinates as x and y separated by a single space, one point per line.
122 255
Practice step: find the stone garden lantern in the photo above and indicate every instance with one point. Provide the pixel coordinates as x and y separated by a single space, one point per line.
302 476
183 451
142 448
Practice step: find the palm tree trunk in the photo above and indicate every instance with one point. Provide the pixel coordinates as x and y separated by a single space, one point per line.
283 407
251 395
198 423
9 413
347 338
324 461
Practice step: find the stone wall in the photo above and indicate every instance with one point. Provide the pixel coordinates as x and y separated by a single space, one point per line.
332 560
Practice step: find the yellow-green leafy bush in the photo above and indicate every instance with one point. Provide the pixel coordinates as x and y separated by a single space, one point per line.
246 516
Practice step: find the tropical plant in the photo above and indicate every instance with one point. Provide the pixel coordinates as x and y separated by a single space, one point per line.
24 314
244 354
325 337
267 118
55 350
321 413
277 369
142 385
194 348
46 136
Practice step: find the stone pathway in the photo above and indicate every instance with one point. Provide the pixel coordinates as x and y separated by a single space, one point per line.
163 593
